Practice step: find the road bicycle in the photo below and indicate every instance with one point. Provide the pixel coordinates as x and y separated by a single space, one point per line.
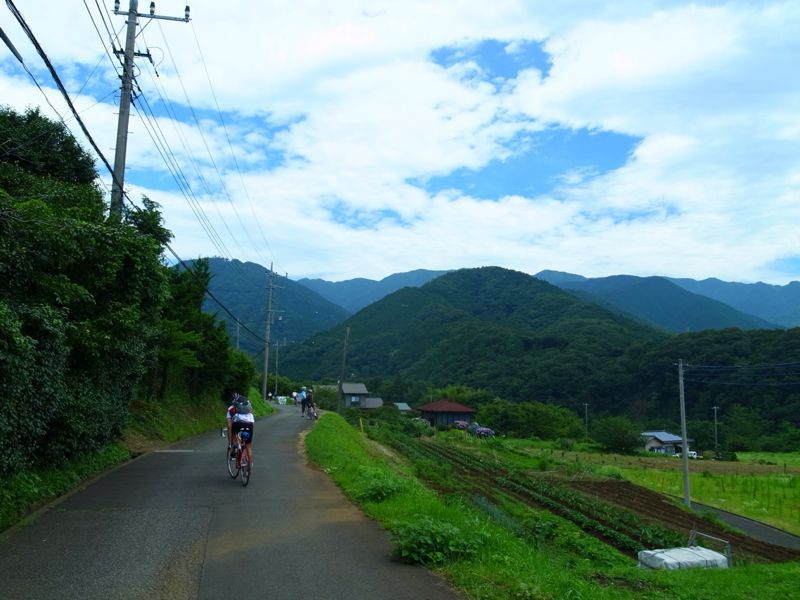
240 464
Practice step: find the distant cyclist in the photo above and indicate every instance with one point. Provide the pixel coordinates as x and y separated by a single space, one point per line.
240 418
302 397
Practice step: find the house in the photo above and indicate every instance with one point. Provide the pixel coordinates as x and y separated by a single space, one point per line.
355 395
662 442
444 412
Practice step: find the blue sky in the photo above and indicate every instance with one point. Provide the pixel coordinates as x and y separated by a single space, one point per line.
360 139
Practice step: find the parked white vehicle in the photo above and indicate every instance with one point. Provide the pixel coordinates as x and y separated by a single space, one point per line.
692 454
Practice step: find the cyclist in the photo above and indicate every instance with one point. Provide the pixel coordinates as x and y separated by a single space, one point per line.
302 397
240 418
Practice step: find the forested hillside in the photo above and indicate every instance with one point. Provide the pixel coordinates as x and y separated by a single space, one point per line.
489 327
96 334
355 294
522 339
775 303
657 301
243 288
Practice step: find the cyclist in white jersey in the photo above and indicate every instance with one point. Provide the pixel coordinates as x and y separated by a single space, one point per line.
240 418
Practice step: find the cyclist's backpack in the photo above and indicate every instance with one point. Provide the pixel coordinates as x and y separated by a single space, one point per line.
243 406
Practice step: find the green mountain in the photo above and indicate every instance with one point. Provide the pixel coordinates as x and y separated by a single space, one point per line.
657 301
488 328
522 339
355 294
242 287
775 303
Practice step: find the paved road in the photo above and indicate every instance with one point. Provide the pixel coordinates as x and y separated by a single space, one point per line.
172 524
755 529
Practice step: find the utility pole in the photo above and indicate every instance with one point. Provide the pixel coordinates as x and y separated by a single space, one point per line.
266 336
237 333
586 417
344 362
685 442
716 446
117 183
275 395
266 341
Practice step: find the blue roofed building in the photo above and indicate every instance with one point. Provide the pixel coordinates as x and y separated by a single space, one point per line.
662 442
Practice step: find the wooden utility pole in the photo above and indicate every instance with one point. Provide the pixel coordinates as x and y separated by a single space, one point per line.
344 362
266 341
118 180
685 442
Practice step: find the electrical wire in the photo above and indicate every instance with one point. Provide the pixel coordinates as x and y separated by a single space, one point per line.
230 144
89 137
208 149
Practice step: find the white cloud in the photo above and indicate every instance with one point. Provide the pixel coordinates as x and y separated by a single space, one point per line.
711 190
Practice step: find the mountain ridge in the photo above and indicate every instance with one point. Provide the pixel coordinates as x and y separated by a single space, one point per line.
355 294
658 301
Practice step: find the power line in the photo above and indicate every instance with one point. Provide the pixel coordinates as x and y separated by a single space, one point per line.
230 145
64 92
56 79
208 150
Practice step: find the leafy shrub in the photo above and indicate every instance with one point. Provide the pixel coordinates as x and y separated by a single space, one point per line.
565 444
428 542
376 485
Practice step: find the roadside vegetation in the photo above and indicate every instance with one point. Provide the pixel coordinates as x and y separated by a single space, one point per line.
104 348
25 491
499 546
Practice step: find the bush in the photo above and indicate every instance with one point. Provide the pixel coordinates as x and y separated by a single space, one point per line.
376 485
428 542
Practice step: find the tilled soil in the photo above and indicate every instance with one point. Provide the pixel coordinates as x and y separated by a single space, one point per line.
656 508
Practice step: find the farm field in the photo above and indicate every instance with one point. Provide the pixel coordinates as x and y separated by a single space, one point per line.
500 523
762 486
626 516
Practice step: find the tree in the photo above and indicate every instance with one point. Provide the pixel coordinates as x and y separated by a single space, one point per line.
617 434
43 147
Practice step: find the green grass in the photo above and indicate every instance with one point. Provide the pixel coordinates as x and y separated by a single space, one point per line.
771 498
784 459
517 553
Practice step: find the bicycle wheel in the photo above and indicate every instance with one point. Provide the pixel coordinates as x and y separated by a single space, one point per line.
246 468
233 466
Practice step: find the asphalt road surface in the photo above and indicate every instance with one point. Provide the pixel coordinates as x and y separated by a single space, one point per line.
172 524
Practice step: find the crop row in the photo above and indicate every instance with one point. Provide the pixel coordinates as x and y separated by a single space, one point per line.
621 528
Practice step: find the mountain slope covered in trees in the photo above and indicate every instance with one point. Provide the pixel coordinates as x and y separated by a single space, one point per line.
775 303
355 294
242 287
522 339
489 327
657 301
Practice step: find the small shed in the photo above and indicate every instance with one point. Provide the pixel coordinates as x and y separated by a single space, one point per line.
662 442
444 412
356 395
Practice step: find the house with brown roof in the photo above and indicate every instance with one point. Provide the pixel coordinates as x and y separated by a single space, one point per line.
443 413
